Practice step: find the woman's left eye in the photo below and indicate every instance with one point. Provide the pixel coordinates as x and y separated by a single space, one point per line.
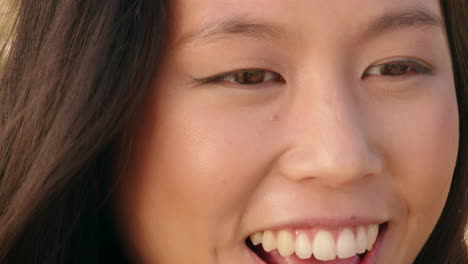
396 69
246 77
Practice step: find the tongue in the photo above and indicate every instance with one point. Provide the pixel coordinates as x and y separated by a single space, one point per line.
274 257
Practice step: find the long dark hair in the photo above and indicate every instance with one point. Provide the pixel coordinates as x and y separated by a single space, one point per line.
75 75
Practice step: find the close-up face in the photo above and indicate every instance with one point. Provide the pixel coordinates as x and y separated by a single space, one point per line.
293 132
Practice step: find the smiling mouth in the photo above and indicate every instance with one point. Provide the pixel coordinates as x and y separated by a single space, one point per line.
347 245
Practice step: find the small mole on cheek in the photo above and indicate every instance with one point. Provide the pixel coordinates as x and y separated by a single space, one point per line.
275 117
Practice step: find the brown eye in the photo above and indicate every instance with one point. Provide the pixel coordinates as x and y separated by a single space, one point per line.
397 69
389 69
394 69
250 77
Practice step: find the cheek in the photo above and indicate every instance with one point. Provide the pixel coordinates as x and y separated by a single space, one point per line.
421 142
195 167
427 156
203 156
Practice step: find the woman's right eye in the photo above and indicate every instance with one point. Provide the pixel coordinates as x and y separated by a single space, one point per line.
247 77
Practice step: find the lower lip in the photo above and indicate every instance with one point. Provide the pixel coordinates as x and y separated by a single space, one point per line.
370 258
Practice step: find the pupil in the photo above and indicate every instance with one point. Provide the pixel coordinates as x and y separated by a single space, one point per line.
251 77
395 69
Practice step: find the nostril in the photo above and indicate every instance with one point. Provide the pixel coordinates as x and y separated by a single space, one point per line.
329 166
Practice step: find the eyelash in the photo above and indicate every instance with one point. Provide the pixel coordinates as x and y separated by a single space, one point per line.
408 66
272 76
411 66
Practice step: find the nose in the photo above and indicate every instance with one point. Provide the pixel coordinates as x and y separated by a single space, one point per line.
329 138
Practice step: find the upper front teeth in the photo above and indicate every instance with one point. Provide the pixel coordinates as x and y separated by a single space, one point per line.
321 243
285 243
303 247
346 246
324 247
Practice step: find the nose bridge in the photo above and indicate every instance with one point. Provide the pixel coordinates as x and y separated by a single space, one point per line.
327 137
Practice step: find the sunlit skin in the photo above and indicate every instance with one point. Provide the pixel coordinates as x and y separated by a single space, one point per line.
320 141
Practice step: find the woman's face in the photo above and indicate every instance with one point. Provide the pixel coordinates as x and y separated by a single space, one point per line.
302 124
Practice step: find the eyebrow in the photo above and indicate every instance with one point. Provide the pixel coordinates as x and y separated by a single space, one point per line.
416 17
237 25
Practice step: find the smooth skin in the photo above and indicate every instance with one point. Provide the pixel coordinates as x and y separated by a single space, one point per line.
211 163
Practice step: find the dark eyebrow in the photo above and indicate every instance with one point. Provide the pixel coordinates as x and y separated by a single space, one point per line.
417 16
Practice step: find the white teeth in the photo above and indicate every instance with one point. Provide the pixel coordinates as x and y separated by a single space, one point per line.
346 245
285 243
268 241
256 238
361 240
303 247
372 234
323 246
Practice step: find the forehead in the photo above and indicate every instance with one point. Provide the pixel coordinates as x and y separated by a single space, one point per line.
293 15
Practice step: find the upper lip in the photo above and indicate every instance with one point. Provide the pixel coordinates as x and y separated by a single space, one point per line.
318 209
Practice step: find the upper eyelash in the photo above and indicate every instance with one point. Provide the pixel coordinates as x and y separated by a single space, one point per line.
223 75
411 63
